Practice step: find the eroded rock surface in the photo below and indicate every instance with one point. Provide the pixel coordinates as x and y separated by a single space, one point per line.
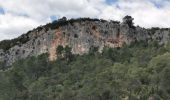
80 36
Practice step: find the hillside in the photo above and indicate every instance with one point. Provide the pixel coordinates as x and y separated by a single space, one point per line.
79 34
139 71
86 59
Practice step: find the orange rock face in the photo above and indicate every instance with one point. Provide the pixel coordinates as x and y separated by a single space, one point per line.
58 40
115 42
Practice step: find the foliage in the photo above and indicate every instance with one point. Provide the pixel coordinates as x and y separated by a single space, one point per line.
129 20
64 52
136 72
7 44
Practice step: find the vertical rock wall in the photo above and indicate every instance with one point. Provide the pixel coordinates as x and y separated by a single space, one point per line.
80 36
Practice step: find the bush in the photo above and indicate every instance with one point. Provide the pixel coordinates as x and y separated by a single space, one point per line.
131 72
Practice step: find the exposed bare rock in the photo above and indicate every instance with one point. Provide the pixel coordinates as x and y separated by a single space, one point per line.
80 35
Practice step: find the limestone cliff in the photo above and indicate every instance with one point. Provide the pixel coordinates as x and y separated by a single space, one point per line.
80 35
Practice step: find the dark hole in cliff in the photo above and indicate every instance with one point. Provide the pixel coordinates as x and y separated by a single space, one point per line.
87 31
16 53
75 36
1 54
91 33
88 40
57 27
94 27
19 45
118 30
68 34
33 40
117 35
39 42
32 51
106 32
64 33
23 51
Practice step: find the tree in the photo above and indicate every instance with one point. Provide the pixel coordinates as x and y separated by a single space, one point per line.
160 74
63 19
93 50
60 50
128 20
68 55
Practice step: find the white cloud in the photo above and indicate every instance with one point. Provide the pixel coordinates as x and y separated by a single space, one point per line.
23 15
11 26
145 13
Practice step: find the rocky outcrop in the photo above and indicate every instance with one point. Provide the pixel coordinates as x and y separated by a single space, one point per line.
80 36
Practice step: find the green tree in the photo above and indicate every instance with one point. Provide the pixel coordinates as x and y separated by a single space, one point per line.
60 50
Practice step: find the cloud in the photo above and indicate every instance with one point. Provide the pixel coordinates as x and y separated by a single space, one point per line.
19 16
11 26
145 12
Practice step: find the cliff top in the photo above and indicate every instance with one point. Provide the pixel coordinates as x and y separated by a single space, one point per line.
7 44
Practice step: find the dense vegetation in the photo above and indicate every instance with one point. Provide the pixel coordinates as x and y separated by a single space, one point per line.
140 71
63 21
7 44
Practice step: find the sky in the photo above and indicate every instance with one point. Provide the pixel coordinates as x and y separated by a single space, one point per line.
19 16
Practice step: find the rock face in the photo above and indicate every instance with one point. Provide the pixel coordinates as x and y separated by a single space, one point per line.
80 36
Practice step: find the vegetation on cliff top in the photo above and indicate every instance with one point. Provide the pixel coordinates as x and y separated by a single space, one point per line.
7 44
140 71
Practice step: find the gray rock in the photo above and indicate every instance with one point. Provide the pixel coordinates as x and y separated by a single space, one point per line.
80 36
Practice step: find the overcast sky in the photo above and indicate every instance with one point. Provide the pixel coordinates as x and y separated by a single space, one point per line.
19 16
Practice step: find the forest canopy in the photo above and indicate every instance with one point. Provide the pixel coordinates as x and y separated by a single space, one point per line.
140 71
